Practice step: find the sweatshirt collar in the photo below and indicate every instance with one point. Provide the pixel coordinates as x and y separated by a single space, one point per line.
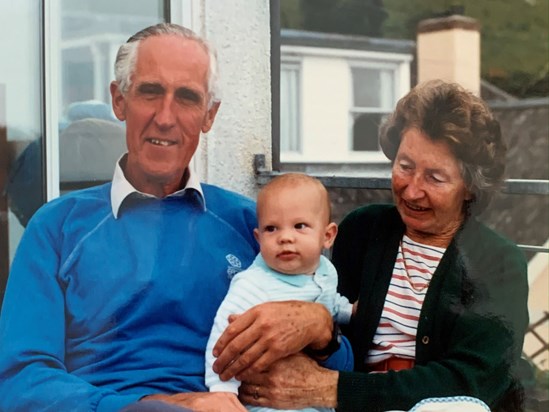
323 270
121 188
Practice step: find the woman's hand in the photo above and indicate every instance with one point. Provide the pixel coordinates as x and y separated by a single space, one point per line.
295 382
269 332
201 401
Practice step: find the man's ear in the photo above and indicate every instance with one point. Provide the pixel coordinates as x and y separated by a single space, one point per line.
118 101
210 117
329 235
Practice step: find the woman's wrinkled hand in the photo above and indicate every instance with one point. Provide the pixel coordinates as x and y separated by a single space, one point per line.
269 332
295 382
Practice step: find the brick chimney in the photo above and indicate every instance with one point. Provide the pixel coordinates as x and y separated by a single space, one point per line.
448 48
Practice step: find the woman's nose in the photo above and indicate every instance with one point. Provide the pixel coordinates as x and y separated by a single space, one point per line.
414 189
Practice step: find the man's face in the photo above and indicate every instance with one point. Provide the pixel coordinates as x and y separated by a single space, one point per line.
165 110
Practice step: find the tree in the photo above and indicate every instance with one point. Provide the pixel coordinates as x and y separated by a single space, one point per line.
363 17
514 38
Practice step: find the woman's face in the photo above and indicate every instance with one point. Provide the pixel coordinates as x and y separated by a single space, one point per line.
428 188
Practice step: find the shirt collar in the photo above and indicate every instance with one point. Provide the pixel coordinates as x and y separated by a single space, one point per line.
295 280
121 188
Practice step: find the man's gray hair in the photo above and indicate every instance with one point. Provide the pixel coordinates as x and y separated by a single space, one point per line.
126 57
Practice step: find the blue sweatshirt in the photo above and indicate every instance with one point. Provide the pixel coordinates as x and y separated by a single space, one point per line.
100 311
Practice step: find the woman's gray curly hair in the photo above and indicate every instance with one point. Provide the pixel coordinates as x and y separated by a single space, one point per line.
126 57
447 112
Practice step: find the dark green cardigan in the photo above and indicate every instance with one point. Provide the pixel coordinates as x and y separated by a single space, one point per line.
471 326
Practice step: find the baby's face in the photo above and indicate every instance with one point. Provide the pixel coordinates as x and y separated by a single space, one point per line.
293 229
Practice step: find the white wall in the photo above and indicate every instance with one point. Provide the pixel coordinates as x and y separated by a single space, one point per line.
326 99
240 31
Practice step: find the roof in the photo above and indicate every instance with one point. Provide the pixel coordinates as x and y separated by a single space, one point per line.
345 41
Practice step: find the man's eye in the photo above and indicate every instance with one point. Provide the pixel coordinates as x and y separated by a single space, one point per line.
187 95
270 228
150 90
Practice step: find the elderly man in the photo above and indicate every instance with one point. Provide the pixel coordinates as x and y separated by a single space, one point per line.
113 290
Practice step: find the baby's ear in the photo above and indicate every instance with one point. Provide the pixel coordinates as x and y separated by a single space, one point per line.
329 235
256 234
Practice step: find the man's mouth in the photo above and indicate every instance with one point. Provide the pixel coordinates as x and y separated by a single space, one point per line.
160 142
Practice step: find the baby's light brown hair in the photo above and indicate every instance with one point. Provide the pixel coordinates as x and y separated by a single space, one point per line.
294 180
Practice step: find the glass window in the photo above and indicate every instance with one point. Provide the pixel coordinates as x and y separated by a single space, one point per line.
290 139
21 132
335 88
373 98
81 38
91 139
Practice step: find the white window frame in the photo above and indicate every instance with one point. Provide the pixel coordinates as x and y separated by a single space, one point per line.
293 62
399 62
373 156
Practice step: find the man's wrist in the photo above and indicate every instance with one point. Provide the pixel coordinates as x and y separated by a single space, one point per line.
329 347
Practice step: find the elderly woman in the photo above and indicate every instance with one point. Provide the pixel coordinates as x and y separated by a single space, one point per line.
442 299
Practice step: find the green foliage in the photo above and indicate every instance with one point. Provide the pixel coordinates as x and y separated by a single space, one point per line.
514 38
514 33
363 17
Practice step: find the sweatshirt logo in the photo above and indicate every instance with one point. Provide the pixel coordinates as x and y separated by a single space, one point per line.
235 265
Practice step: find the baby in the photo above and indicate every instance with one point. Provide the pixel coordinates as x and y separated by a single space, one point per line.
293 212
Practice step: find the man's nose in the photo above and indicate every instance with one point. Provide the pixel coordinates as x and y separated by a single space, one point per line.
165 116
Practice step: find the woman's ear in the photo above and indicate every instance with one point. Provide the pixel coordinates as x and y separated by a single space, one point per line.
329 235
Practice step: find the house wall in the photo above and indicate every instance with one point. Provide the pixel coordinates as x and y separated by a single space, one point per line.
326 97
240 31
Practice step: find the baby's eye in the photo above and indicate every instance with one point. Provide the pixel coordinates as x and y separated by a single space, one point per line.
270 228
300 225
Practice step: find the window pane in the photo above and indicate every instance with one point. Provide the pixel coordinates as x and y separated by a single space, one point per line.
90 138
289 108
365 131
21 189
373 87
367 87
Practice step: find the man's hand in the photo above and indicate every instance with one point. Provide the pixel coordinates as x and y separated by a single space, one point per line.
295 382
201 401
269 332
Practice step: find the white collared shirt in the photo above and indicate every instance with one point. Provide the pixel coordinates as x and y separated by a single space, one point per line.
121 188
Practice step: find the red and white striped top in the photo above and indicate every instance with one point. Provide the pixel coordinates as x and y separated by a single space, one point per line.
413 270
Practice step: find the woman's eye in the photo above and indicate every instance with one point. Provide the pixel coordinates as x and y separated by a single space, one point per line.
436 178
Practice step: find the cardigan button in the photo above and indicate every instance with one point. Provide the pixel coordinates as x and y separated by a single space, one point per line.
425 340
